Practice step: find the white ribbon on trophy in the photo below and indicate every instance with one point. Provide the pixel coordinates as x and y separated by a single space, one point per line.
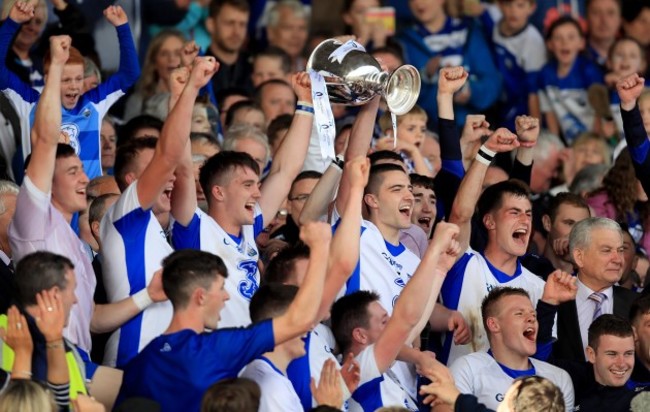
323 117
339 54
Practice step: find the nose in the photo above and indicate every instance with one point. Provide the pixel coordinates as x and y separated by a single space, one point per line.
227 296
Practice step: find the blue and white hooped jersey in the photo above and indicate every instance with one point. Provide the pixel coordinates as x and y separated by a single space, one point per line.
567 96
82 123
469 281
239 253
133 247
375 389
479 374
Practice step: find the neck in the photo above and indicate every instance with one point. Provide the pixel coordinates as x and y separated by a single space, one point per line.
558 262
279 358
510 359
164 219
66 215
437 23
222 220
186 319
505 262
23 54
162 87
592 284
390 234
563 69
506 30
602 46
224 56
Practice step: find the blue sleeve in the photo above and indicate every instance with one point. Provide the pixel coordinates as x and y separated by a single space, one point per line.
546 318
258 224
453 283
234 348
187 237
484 79
128 72
8 80
449 141
638 144
593 74
532 80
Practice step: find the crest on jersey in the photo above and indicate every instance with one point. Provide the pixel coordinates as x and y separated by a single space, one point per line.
72 132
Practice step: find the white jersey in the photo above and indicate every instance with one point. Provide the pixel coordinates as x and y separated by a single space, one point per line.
277 392
133 247
239 254
469 281
385 269
375 389
481 375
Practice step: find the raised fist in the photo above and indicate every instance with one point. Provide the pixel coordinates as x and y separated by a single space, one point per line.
115 15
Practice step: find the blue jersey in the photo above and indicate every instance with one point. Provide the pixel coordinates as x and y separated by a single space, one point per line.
175 370
82 123
566 96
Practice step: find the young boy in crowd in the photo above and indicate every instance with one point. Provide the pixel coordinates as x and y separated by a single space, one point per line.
411 130
82 112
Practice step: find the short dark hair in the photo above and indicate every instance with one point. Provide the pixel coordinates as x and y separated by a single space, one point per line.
232 395
640 307
40 271
186 270
488 306
282 266
375 177
241 105
216 6
271 300
223 94
257 96
63 151
565 198
351 312
384 155
126 155
126 132
632 9
608 325
216 169
492 197
97 207
304 175
278 53
561 21
282 122
422 181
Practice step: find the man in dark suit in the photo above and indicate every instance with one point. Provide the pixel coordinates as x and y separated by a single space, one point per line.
596 246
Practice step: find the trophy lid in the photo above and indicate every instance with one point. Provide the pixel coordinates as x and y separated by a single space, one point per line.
403 89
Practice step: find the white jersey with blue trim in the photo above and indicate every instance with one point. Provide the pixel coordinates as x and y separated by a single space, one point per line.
375 389
277 392
239 253
481 375
133 247
469 281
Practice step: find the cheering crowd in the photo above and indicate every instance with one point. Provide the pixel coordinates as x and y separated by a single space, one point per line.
179 235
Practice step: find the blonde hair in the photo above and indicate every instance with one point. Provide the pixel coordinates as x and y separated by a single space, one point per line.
26 396
148 83
385 123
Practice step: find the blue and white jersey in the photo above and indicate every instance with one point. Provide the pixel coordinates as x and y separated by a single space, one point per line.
567 96
449 42
175 370
469 281
520 59
83 122
375 389
319 345
277 392
385 269
481 375
133 245
239 253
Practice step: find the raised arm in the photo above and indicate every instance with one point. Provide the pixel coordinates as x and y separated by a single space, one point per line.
47 121
344 253
174 136
424 285
291 154
502 140
527 129
359 143
301 316
322 195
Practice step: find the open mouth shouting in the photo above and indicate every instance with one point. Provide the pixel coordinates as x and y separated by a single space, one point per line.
530 334
406 210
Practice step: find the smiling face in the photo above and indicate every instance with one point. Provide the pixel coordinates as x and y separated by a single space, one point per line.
424 208
510 225
240 195
516 325
565 43
600 263
72 84
613 359
69 185
392 205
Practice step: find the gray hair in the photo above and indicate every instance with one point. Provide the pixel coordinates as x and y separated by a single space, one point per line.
588 179
91 68
245 131
7 187
580 236
298 9
545 143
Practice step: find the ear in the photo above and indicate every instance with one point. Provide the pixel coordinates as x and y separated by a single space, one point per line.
546 222
591 355
359 336
371 200
209 25
94 229
493 325
578 257
635 334
198 297
217 193
129 178
488 221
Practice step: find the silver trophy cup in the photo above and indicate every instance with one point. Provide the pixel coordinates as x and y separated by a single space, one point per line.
353 77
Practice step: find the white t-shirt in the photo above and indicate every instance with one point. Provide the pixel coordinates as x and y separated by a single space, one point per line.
481 375
277 392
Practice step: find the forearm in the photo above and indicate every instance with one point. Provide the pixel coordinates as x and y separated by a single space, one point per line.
303 311
430 305
109 317
525 155
409 354
415 296
291 154
129 68
176 130
47 120
183 200
323 193
22 367
468 194
445 105
552 123
419 164
439 317
638 144
57 365
533 106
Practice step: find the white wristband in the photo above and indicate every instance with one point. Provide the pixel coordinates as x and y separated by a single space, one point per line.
482 159
488 151
142 299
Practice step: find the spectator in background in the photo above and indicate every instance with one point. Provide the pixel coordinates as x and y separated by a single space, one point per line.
636 20
108 138
272 63
248 113
604 25
288 28
275 97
